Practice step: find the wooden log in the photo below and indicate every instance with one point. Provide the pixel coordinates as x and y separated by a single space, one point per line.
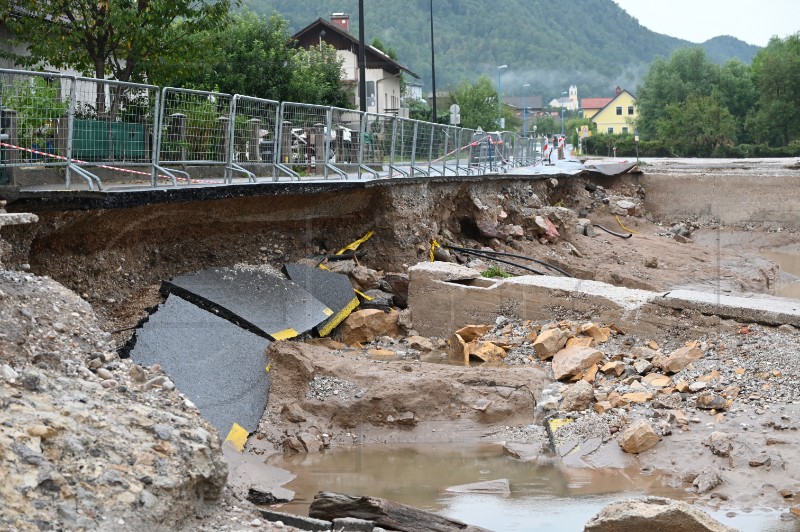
385 514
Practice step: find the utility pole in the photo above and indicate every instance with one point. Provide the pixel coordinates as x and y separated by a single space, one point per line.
362 60
433 70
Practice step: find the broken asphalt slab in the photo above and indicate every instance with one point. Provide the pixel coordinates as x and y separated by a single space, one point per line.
332 289
220 367
259 301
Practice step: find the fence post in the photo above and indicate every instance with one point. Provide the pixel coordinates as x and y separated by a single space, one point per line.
457 147
394 142
223 133
71 131
414 148
326 134
286 142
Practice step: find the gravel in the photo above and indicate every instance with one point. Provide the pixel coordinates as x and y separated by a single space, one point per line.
322 387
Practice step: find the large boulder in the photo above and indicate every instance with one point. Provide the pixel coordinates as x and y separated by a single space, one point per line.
577 397
654 514
365 325
550 342
638 437
573 360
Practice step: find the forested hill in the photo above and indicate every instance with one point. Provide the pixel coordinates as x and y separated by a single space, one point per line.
590 43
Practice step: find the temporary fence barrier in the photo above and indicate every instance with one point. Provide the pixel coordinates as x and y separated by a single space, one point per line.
135 132
375 148
252 137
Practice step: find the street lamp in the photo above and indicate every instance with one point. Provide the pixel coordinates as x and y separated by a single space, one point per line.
562 112
524 111
499 104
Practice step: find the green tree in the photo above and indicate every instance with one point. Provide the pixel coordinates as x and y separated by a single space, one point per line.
698 126
317 77
120 39
478 103
776 70
546 125
252 56
419 110
687 72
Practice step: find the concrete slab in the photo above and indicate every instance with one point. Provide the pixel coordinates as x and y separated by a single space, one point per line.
219 366
261 302
756 309
331 288
611 169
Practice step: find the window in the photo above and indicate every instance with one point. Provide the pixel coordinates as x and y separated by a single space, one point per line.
630 110
610 131
619 110
624 130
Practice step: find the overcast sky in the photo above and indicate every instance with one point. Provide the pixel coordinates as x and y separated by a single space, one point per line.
753 21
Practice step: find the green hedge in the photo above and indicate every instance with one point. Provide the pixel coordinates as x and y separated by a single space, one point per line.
602 145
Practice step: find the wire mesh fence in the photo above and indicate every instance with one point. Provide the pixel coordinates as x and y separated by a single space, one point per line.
35 109
252 136
110 131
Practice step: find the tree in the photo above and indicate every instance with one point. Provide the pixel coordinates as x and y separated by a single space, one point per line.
121 39
419 110
478 103
699 126
776 71
317 77
251 55
687 72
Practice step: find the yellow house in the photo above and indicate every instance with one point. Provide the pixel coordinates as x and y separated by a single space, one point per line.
618 116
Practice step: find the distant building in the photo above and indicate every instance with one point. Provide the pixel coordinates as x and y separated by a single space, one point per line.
569 101
590 106
618 115
414 91
382 72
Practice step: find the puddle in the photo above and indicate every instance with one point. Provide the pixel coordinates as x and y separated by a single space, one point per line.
789 263
542 498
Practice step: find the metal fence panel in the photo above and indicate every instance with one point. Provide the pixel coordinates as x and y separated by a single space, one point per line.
303 143
253 135
34 118
376 146
403 147
423 148
193 130
345 140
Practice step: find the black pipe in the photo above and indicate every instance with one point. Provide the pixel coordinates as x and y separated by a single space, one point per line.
504 254
612 232
479 254
433 71
362 61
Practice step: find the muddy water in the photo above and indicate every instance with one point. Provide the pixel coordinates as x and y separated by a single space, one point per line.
542 498
789 262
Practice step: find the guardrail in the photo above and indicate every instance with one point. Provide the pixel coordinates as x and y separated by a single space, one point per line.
56 126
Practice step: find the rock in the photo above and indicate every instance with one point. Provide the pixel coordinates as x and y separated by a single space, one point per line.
378 299
644 353
599 334
406 418
638 437
654 514
572 360
707 481
698 386
549 342
486 351
577 397
488 487
682 239
458 349
365 325
263 495
637 397
652 262
671 401
656 380
711 401
679 359
363 278
397 284
642 366
601 407
584 227
760 460
580 340
482 404
470 333
8 374
420 343
104 374
615 368
293 413
720 444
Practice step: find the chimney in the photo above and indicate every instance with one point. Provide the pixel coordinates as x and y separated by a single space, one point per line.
619 90
342 20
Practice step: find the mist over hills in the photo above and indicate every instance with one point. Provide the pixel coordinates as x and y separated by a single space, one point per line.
593 44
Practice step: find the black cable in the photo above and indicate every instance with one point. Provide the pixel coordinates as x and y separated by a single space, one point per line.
479 254
612 232
504 254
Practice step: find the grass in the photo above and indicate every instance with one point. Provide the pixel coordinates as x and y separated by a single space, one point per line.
494 272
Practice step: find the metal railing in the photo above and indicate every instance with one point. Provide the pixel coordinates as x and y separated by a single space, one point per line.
56 126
